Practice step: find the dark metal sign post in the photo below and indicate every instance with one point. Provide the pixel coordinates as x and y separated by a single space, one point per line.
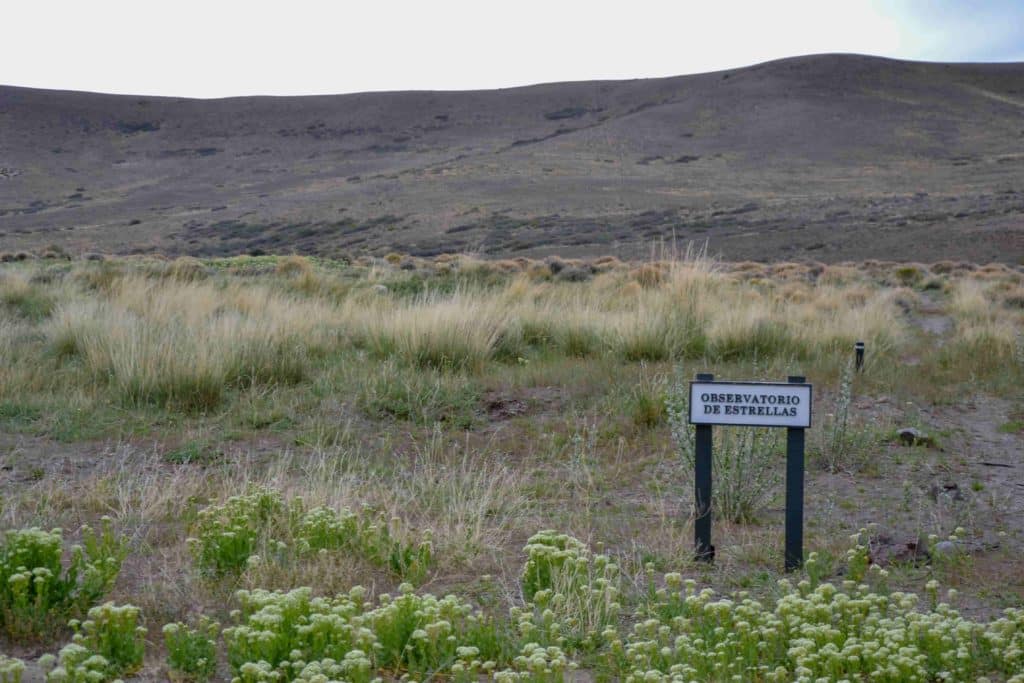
751 404
702 489
795 493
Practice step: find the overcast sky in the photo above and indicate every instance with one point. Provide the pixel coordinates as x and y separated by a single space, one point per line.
219 48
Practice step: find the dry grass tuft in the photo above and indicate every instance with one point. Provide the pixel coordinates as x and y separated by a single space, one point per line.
648 276
294 266
186 269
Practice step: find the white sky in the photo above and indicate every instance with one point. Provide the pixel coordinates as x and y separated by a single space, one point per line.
219 48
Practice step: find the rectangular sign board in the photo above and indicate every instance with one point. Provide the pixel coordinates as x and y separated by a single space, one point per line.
750 404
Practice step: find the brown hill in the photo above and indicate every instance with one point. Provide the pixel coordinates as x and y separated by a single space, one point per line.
828 157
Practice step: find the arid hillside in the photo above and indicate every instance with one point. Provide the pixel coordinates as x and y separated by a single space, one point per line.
828 157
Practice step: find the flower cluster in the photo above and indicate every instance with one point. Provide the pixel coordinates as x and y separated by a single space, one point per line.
284 636
37 592
192 652
109 643
573 595
11 669
824 633
259 526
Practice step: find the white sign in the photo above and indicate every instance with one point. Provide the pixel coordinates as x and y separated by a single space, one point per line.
750 404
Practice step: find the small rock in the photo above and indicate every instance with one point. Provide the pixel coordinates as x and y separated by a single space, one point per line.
380 289
910 436
951 490
945 548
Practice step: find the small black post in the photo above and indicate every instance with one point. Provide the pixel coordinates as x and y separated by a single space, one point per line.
702 488
795 493
858 350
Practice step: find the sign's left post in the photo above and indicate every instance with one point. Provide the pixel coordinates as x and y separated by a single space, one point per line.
702 488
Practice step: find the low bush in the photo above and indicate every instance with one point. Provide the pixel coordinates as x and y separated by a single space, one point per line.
11 669
260 526
229 536
572 596
113 632
293 266
192 652
27 302
746 460
186 269
844 443
808 630
828 632
37 593
295 635
109 644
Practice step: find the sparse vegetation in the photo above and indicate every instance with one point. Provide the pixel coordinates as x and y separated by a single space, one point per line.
328 424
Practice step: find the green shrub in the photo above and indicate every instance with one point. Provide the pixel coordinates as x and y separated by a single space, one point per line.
37 592
828 632
259 526
908 275
746 460
114 633
293 636
844 444
11 669
372 538
537 664
573 596
228 536
192 653
547 553
76 664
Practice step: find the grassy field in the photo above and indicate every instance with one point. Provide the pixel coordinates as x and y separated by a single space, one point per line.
409 425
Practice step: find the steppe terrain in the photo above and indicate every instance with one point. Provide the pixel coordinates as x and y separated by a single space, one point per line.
828 157
409 425
393 386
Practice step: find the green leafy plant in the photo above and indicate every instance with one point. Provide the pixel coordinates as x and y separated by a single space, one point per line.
108 644
293 636
260 526
746 459
11 669
844 444
537 664
114 633
192 652
37 592
573 596
548 552
228 536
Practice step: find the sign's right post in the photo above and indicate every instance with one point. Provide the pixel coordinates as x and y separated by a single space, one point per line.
795 493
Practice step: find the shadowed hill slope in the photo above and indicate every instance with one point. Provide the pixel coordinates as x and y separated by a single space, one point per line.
828 157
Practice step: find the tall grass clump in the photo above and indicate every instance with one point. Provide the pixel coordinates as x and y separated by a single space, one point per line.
985 334
183 345
421 396
20 298
446 332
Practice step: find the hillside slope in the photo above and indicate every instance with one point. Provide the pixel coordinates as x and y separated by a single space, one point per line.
828 157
